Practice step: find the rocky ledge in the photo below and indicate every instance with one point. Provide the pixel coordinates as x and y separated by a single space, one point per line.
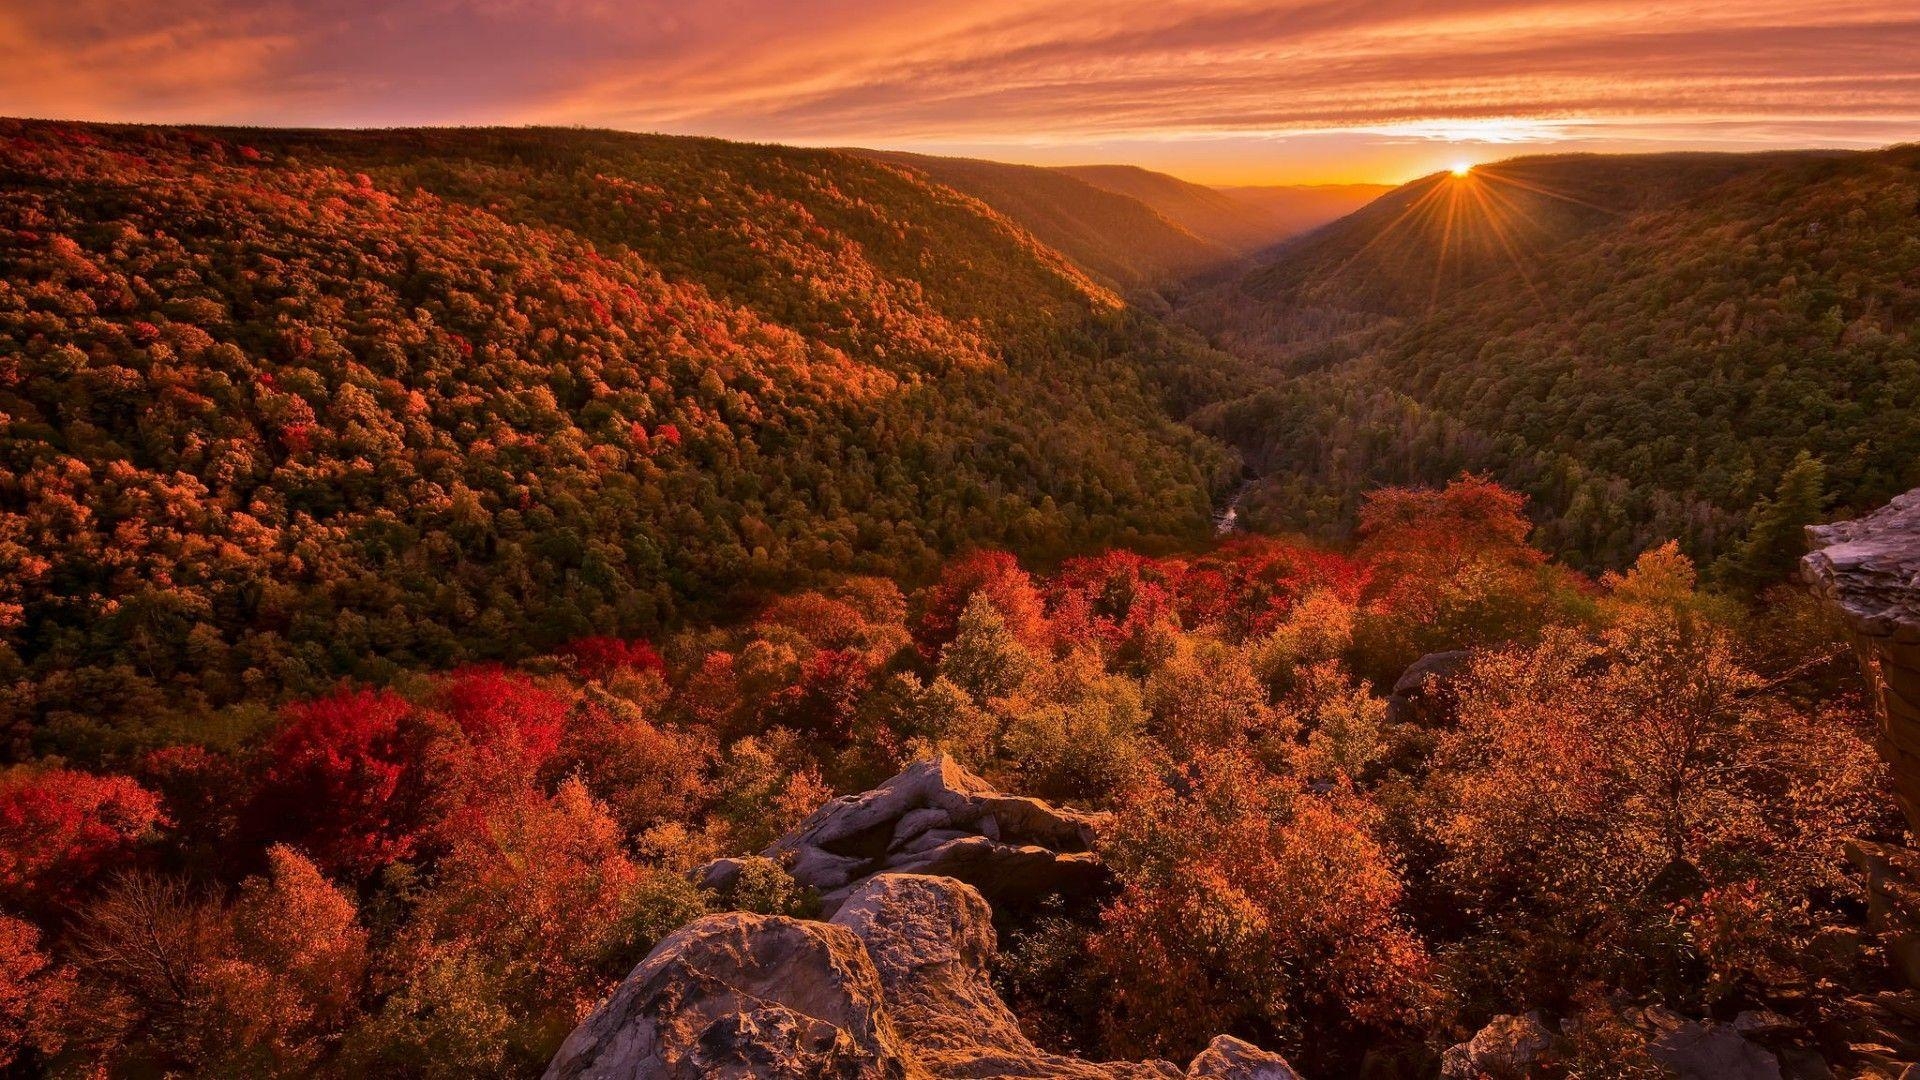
1868 572
937 818
894 987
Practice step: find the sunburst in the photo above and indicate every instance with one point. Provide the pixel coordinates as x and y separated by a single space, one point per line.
1471 212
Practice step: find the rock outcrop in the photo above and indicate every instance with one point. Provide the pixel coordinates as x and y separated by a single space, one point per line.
895 986
1693 1050
735 996
1868 571
1507 1047
1423 693
937 818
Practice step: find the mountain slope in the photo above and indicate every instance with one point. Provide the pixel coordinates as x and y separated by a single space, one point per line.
1114 236
1405 252
279 406
1243 219
1645 371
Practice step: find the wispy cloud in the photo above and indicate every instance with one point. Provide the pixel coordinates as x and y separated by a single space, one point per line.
1302 86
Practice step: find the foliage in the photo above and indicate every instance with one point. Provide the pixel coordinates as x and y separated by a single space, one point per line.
1666 340
441 877
60 829
345 404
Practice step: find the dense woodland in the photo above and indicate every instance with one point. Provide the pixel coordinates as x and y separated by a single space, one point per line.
279 408
419 550
1647 357
1636 794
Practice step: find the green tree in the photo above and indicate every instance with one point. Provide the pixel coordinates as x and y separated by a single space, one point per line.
1778 536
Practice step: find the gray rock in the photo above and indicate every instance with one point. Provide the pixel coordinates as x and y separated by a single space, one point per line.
1696 1051
1228 1058
1507 1046
1423 693
937 818
736 996
1869 568
896 986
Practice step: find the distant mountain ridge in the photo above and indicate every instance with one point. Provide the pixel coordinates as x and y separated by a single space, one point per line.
1435 236
1138 230
1241 219
1113 236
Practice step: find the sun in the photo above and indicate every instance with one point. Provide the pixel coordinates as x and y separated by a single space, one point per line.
1462 168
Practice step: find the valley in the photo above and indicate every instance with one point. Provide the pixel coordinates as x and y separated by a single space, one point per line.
521 601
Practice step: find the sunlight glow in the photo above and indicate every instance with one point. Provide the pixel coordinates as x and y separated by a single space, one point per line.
1462 168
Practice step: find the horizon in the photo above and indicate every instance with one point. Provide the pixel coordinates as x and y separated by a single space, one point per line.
1216 92
1455 164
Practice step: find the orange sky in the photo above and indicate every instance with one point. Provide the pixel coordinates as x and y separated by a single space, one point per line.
1214 90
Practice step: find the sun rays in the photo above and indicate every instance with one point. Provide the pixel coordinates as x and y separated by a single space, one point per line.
1469 222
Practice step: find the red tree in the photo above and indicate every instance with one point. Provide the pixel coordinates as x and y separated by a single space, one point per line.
59 829
601 656
344 780
994 573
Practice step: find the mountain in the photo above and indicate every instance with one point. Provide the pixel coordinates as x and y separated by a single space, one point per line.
1295 209
1426 240
1240 219
1644 345
1114 236
277 407
1137 230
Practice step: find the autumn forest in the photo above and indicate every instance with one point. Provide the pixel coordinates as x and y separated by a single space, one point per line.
425 555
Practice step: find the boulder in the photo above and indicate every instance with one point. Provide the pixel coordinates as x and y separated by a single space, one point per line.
737 996
896 986
1507 1047
1228 1058
1868 573
1423 693
937 818
1692 1050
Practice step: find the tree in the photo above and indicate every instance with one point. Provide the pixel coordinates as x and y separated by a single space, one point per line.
34 993
1250 907
986 659
345 780
297 925
1205 697
60 829
994 575
1777 538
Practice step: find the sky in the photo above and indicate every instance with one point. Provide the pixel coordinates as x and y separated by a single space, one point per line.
1217 91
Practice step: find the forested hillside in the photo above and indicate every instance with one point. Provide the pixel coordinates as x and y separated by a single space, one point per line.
1240 219
1646 346
277 407
1142 232
1114 236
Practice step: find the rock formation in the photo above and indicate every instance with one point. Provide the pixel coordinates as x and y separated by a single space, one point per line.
937 818
1507 1047
1693 1050
1424 692
895 986
1868 571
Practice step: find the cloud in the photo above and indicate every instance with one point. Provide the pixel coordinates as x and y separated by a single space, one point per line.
1057 74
